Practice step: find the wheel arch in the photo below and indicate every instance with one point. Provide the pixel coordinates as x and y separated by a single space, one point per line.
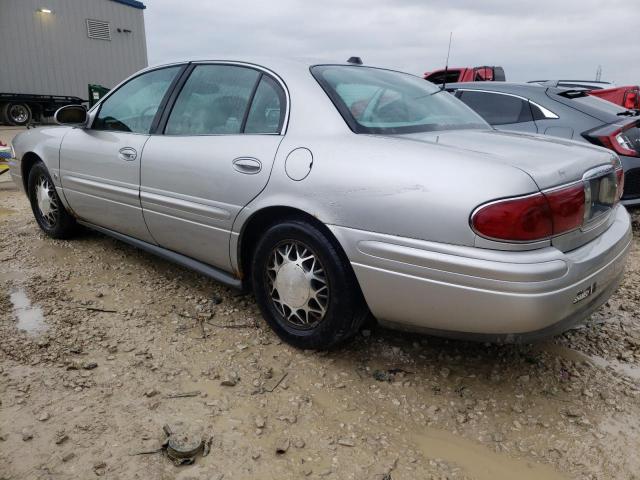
263 219
29 159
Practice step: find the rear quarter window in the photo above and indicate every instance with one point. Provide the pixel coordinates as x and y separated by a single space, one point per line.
498 109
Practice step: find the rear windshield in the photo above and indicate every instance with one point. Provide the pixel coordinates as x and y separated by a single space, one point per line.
373 100
594 106
595 102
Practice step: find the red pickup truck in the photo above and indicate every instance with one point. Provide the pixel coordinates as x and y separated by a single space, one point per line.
466 74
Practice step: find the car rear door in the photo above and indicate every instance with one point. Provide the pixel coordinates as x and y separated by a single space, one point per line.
100 166
213 155
502 110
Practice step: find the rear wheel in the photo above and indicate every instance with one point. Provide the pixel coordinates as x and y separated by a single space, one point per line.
305 288
47 208
17 113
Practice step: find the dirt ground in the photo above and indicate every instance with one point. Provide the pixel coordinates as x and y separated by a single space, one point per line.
97 340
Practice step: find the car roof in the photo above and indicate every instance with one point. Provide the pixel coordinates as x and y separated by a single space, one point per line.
541 94
283 66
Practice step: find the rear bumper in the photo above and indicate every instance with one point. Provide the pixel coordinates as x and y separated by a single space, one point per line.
485 294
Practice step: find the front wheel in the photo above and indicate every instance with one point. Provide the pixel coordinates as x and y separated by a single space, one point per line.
305 287
47 208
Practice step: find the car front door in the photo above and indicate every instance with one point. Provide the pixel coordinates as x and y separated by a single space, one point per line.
502 111
100 166
218 143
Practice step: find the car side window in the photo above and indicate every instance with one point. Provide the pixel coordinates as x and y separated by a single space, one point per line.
134 105
498 109
267 111
213 101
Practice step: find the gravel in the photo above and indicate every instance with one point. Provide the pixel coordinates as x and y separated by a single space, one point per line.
113 327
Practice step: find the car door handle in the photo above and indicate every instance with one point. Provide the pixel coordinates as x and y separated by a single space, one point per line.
247 165
127 154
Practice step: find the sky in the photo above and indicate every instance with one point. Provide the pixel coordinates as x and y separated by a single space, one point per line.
546 39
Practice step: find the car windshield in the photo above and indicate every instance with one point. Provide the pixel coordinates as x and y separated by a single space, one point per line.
599 103
373 100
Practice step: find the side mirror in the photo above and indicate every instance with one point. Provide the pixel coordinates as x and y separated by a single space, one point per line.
71 115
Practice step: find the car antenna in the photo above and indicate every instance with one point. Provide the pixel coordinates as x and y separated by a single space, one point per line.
355 60
446 66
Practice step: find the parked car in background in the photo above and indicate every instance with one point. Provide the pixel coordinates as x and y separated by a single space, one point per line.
335 189
586 84
466 74
561 112
627 96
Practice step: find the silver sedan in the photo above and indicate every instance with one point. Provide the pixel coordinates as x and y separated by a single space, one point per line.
335 191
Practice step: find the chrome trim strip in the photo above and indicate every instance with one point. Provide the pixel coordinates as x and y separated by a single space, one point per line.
183 205
123 191
545 111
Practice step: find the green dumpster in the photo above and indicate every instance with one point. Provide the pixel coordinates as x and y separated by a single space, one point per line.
96 92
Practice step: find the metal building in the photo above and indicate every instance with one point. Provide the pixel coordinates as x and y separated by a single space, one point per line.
58 47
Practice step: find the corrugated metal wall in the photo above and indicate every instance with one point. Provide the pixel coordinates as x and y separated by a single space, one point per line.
51 54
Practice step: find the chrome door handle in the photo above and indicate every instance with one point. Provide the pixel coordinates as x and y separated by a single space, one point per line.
247 165
127 154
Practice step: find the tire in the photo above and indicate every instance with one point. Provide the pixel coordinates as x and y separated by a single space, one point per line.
3 120
18 114
52 217
300 276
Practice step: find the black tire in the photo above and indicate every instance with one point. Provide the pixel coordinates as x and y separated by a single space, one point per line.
3 120
344 306
55 221
18 114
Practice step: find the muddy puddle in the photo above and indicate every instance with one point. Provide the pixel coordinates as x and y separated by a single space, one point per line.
30 318
621 368
6 212
478 460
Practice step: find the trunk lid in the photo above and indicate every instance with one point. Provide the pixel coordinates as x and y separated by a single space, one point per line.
548 160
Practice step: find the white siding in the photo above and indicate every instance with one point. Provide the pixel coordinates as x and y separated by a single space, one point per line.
52 54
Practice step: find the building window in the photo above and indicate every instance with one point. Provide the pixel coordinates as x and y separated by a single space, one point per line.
98 29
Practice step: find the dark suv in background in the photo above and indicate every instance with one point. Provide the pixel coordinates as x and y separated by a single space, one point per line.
560 112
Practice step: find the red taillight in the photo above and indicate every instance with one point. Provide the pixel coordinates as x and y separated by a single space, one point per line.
534 217
620 182
521 219
631 99
567 208
619 143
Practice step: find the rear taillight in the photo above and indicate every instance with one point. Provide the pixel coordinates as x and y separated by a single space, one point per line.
534 217
567 208
631 99
619 143
552 212
620 139
521 219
